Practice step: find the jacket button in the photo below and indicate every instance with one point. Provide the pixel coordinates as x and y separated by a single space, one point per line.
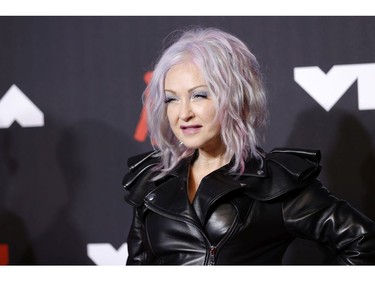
151 197
260 172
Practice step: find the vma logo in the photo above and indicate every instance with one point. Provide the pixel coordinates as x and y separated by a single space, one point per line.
140 133
15 106
4 254
327 88
106 254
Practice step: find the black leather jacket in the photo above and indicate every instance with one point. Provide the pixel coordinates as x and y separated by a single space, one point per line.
247 219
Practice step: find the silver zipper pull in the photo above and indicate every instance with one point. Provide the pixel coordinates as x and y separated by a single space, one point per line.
211 260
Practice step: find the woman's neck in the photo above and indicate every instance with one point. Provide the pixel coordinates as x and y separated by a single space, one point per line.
204 164
208 162
212 154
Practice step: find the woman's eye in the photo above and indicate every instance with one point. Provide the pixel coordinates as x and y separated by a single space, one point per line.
169 99
203 95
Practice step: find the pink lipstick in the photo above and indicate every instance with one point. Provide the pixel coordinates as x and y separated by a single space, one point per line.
190 129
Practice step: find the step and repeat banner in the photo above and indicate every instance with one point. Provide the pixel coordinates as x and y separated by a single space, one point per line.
71 115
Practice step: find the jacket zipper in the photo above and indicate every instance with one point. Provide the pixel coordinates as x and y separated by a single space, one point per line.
212 249
212 255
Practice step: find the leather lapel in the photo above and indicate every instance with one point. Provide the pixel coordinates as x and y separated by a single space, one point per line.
170 195
213 187
222 182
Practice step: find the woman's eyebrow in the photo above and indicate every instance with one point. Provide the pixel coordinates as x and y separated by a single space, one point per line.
190 90
200 86
170 91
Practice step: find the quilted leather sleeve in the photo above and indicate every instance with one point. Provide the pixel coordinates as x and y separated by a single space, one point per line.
136 180
285 170
136 253
316 214
304 164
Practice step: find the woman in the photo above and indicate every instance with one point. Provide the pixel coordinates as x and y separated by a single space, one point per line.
209 194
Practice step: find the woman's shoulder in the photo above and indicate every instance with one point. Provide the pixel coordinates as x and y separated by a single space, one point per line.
301 163
138 174
139 160
282 170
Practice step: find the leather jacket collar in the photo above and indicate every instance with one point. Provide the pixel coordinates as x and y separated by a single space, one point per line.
170 193
290 168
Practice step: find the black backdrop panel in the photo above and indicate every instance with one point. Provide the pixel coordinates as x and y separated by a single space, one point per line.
61 199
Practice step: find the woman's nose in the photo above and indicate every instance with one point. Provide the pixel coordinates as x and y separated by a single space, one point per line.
185 111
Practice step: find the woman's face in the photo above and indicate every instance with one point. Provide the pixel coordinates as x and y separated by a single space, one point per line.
190 108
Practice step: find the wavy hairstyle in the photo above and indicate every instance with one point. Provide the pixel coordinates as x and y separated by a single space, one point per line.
233 77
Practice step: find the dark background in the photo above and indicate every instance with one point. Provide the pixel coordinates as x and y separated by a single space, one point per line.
60 184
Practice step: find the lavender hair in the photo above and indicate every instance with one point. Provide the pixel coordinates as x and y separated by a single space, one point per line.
233 77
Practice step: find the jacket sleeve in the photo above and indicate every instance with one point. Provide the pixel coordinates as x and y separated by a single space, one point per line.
315 214
136 181
136 253
136 184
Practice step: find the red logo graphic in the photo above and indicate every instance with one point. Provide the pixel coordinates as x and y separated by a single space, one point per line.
141 130
4 254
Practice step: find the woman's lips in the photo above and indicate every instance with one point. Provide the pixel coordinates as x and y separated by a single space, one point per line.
190 129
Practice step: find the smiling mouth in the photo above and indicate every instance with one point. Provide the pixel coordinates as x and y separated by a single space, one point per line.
191 129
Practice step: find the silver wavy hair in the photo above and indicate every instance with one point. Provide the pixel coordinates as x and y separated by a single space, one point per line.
233 77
